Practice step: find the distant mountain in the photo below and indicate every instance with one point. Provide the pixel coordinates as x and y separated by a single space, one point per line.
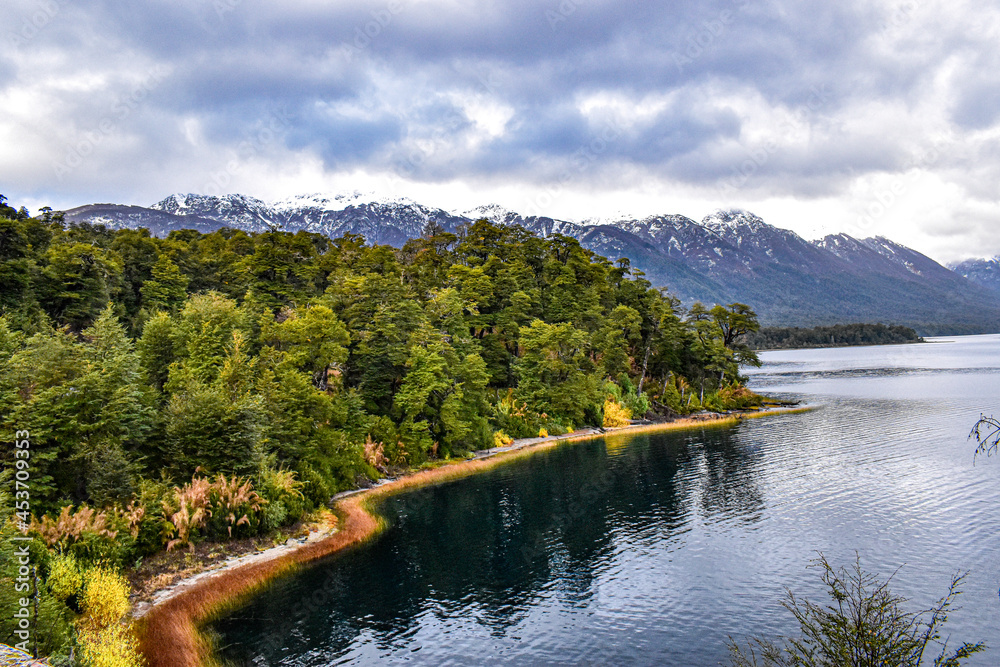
159 223
983 272
729 256
391 222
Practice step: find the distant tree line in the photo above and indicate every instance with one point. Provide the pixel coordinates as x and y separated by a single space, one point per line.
838 335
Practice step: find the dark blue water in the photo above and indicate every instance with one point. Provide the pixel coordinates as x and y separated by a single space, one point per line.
653 549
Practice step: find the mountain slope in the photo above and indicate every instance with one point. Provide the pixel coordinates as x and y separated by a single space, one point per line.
730 255
983 272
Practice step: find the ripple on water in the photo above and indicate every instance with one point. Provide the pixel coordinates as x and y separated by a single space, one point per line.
653 549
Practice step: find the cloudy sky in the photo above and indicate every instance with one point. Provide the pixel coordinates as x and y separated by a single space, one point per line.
871 117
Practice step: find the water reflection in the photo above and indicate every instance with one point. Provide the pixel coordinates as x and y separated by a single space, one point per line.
491 548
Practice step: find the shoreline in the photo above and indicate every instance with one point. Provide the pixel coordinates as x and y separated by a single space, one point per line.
168 627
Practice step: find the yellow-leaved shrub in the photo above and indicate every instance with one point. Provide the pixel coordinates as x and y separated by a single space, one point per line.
114 646
543 433
104 640
65 578
105 598
615 414
501 439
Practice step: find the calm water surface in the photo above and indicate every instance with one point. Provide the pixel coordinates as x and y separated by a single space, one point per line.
653 549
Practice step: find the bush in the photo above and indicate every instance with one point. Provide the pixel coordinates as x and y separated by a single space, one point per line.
65 579
104 600
864 626
115 646
501 439
615 415
637 404
543 433
71 526
518 420
281 487
735 397
678 395
211 507
273 517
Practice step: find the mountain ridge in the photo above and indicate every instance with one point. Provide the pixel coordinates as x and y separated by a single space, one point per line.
731 255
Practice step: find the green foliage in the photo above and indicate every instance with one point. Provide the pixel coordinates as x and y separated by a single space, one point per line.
78 281
838 335
865 625
54 629
135 361
167 288
556 373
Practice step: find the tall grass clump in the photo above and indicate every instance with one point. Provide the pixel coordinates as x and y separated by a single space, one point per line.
209 507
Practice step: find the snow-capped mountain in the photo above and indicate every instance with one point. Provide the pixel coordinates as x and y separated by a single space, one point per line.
246 213
983 272
731 255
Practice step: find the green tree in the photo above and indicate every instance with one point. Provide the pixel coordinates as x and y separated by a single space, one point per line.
166 288
216 422
136 253
736 321
617 338
556 374
205 332
156 349
16 267
83 403
79 281
312 339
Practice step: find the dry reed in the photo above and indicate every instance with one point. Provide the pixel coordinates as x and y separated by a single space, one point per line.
70 527
169 632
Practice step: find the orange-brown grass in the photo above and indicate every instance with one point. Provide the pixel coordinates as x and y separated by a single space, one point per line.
169 632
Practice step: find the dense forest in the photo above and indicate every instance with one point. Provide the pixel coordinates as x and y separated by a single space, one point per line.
165 391
838 335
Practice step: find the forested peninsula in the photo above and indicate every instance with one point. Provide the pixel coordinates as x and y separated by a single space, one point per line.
838 335
161 392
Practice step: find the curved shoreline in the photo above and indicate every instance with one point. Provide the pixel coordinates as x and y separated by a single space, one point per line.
169 631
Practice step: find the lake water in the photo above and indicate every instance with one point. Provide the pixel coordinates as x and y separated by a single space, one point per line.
653 549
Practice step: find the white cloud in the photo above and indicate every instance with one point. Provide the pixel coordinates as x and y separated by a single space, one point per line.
802 113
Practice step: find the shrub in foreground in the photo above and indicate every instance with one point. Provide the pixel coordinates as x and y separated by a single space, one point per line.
865 625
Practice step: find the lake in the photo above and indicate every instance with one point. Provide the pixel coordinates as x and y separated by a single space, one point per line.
654 548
